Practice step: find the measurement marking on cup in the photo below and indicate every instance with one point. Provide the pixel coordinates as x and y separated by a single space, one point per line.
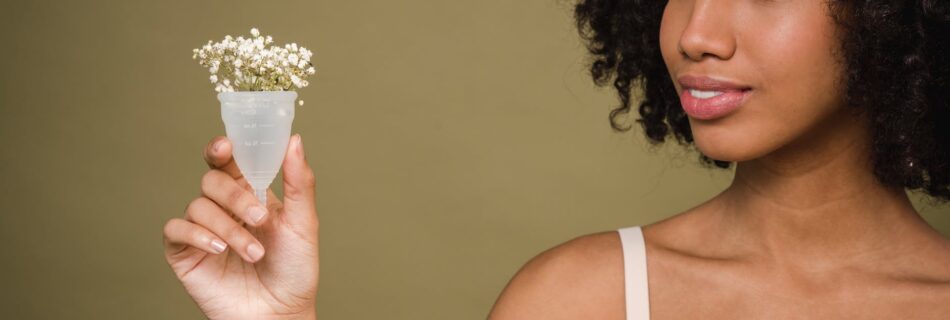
252 143
254 125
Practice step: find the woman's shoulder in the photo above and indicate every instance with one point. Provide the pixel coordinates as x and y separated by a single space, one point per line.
583 277
578 278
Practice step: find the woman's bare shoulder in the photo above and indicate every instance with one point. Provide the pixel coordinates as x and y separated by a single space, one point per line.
579 279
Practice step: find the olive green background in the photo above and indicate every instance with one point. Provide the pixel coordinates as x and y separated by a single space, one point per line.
452 141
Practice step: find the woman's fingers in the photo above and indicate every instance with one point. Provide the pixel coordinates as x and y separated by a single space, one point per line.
225 191
218 155
209 215
179 233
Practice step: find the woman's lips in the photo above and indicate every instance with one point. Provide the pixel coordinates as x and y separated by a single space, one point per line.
704 108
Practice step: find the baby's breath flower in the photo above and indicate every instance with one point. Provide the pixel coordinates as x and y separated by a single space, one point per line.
248 64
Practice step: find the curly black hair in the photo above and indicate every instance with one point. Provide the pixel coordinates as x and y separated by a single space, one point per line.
897 71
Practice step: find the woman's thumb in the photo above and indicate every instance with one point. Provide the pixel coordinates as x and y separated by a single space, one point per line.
299 183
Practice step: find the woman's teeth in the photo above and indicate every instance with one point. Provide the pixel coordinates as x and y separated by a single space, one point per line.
704 94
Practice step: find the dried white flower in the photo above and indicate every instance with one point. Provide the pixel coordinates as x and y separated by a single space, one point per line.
248 64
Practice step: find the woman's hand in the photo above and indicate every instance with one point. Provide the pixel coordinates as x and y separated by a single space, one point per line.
240 261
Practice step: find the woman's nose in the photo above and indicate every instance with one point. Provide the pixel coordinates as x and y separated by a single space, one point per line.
709 31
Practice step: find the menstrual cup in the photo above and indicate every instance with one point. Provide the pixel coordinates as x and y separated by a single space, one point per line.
258 124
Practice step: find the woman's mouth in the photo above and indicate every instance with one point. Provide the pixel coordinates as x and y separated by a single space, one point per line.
707 98
711 104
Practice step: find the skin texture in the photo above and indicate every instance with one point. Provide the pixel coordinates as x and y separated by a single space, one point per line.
803 232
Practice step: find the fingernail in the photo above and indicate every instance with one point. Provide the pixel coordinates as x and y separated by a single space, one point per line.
217 145
218 246
256 213
255 251
299 145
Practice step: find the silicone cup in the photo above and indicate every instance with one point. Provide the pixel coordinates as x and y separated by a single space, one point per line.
258 124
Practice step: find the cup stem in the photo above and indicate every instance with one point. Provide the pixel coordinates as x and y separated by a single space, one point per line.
262 196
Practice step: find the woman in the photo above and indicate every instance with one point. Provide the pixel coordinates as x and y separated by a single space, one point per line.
830 110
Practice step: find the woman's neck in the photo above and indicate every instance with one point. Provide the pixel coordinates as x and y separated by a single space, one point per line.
817 205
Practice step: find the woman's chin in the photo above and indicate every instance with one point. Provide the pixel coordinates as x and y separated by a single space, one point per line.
728 150
729 139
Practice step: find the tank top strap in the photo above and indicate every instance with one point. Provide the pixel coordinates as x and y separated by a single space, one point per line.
635 273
